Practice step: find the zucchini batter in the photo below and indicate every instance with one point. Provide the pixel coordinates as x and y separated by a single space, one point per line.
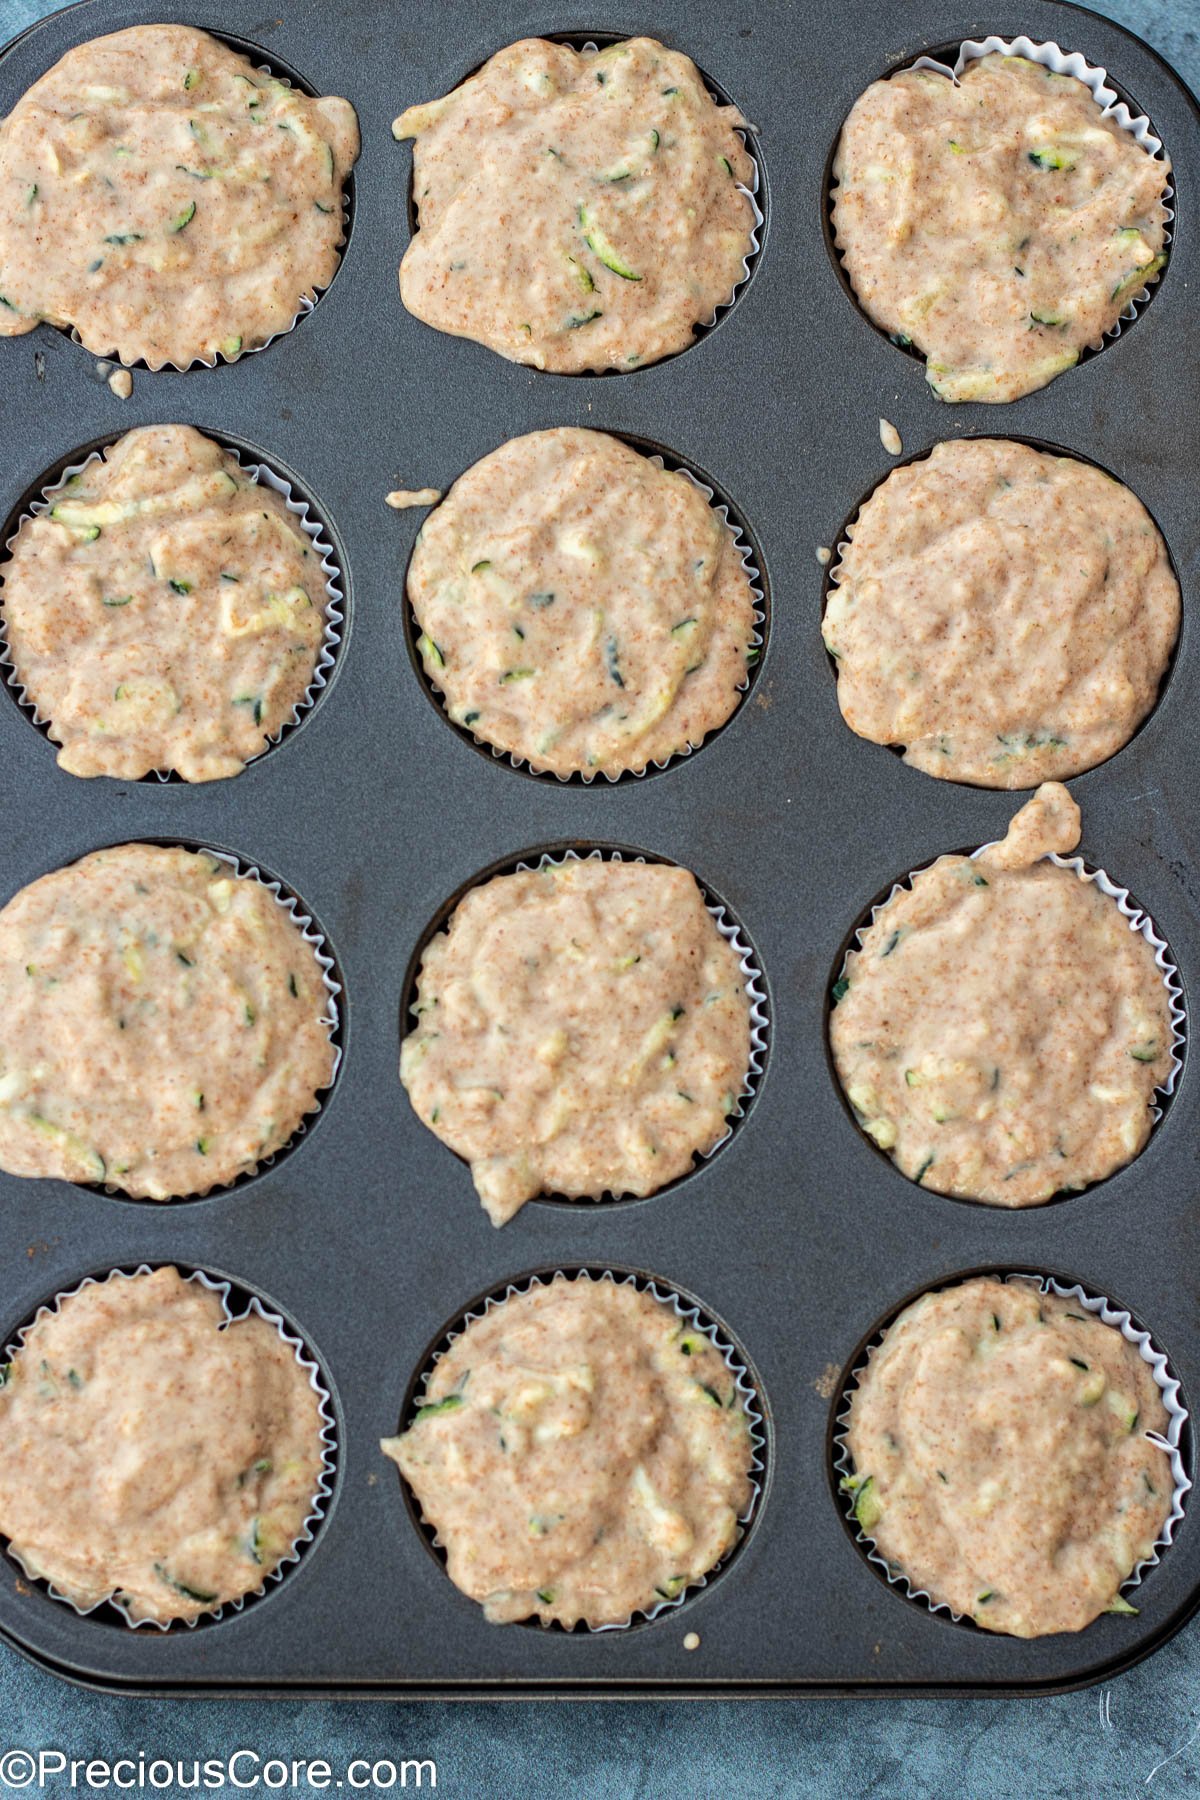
1000 1029
582 1452
1001 1457
166 1026
167 199
583 1029
154 1454
578 209
1006 615
167 612
581 608
1000 223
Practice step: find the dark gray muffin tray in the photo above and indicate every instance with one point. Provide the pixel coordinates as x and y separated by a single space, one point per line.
798 1236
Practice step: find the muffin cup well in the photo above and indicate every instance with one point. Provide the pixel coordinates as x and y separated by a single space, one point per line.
1168 1386
313 529
329 1447
758 637
304 922
1061 62
729 928
696 1318
1137 919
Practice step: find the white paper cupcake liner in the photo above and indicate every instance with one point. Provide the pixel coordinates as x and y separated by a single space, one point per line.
305 924
745 551
1167 1385
329 1448
1137 919
1095 79
305 303
760 1021
697 1320
313 529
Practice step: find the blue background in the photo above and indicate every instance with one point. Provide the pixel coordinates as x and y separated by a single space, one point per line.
1139 1734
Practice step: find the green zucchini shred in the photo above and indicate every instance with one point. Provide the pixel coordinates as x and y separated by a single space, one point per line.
183 219
450 1404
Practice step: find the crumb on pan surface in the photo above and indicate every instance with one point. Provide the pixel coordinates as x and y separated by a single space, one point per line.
166 612
1001 1457
1006 615
578 209
581 608
154 1454
999 1029
582 1028
167 1026
167 199
582 1452
998 222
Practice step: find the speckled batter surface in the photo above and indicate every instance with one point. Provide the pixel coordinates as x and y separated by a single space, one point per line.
1000 223
166 1024
1001 1457
167 612
1000 1029
581 608
167 199
583 1028
153 1454
578 209
1006 615
582 1452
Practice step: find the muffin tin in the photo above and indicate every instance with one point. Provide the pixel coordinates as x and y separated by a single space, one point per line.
799 1240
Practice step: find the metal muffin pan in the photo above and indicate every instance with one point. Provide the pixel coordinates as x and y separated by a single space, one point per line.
798 1236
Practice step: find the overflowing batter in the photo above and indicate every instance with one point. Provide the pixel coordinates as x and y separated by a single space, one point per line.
166 1026
154 1454
581 608
1000 223
583 1029
167 612
167 199
578 209
1001 1457
1000 1029
1006 615
582 1452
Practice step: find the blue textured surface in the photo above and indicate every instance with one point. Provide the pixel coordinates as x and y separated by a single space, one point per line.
1140 1733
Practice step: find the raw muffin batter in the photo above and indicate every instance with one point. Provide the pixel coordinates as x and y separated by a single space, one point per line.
167 199
584 1029
1001 1461
166 1026
1001 1030
580 607
578 209
167 612
998 222
582 1452
154 1455
1005 614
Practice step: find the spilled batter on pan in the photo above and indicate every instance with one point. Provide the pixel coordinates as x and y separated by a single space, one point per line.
1002 1461
155 1454
999 1029
583 1453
